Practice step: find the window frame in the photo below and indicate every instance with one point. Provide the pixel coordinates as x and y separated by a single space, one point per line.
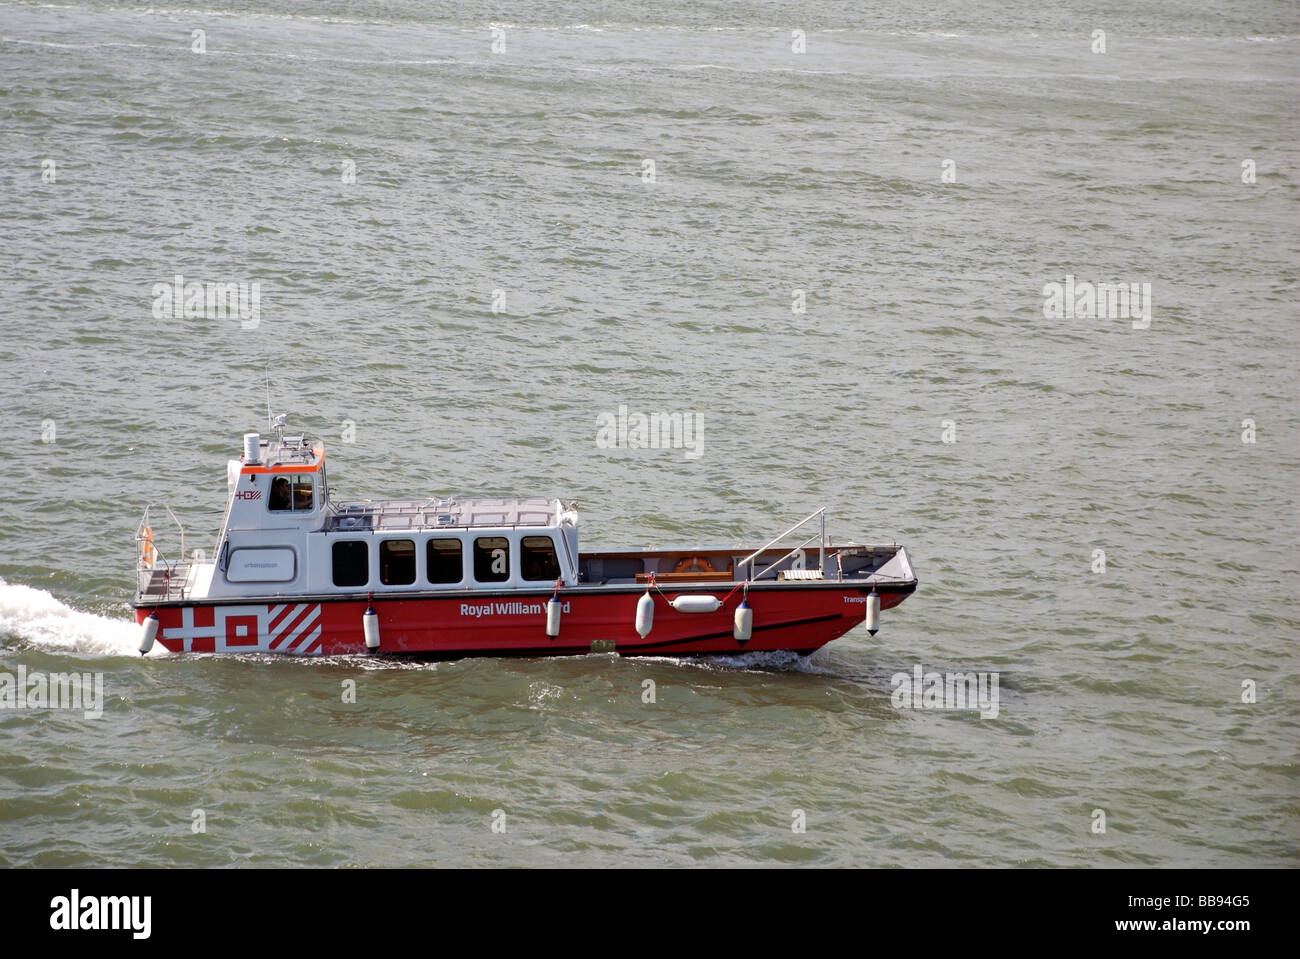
295 480
555 556
474 555
415 563
334 563
428 559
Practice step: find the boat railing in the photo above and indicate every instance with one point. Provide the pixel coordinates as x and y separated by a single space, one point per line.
819 538
158 575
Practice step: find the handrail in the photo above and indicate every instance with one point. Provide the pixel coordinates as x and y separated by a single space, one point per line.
803 522
144 524
782 559
172 569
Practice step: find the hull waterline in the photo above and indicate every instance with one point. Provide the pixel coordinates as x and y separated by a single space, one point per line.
797 618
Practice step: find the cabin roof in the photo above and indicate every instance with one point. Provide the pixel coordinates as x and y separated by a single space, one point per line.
443 514
291 454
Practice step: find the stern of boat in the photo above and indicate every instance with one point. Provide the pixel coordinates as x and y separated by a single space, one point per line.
163 572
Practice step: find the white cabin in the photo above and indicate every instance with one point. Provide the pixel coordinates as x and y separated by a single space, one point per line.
282 537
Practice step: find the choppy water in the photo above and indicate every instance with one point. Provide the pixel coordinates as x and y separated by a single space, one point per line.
521 171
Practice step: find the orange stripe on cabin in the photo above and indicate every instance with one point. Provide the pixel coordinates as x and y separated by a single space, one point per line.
319 451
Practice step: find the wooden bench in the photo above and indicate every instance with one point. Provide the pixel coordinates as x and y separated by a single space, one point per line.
688 577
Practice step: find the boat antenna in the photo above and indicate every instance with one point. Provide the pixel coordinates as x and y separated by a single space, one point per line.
270 422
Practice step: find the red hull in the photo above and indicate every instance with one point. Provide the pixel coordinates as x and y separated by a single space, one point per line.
802 618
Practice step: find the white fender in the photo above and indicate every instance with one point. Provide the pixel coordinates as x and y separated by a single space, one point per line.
149 633
744 624
873 611
696 604
370 625
553 617
645 614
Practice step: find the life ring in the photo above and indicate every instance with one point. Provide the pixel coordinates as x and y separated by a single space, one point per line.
693 564
148 552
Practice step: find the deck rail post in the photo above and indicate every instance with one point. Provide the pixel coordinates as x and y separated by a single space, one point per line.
752 558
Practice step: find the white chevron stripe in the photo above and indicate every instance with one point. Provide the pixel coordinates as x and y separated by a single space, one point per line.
287 622
307 623
306 643
273 611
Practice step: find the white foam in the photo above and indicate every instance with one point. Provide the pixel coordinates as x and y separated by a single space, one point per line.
785 660
35 616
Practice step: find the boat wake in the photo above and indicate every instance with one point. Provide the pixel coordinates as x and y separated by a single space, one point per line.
35 617
781 660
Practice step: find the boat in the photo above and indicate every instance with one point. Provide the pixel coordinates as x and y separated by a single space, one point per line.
294 572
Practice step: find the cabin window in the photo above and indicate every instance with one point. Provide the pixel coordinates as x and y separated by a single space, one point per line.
444 561
351 562
537 558
291 494
491 559
397 562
